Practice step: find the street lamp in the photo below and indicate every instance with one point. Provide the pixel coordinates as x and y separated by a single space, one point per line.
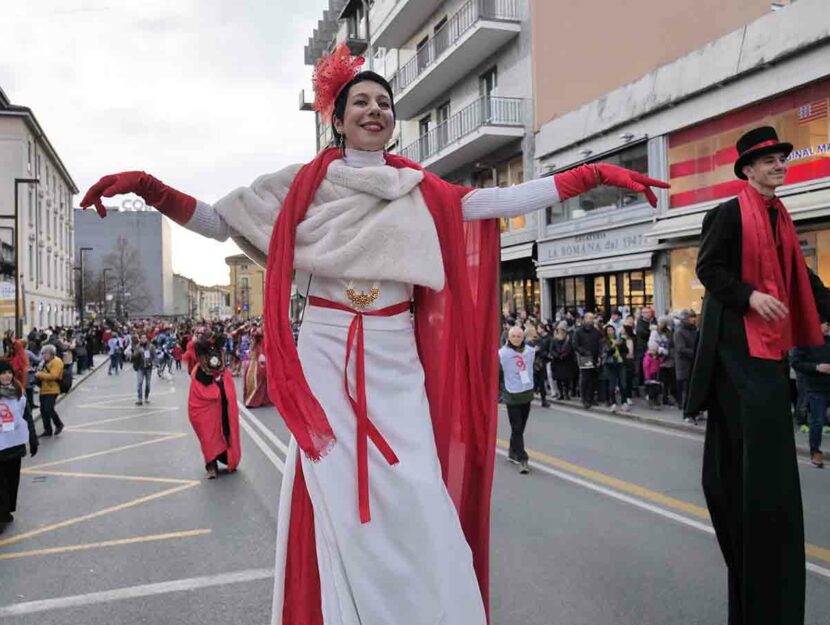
81 254
104 299
18 330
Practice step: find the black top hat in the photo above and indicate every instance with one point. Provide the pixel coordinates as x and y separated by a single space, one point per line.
757 142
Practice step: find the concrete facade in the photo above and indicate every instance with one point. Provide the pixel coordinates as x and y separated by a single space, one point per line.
773 55
44 235
147 235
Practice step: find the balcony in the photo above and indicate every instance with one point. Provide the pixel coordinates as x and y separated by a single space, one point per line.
306 100
477 130
402 22
474 33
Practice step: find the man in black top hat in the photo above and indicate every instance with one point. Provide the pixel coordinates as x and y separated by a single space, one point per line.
760 296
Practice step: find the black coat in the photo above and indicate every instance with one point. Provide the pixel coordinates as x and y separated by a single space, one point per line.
563 359
685 339
719 270
642 332
587 342
750 473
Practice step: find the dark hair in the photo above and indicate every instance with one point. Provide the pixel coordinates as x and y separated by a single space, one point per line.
343 96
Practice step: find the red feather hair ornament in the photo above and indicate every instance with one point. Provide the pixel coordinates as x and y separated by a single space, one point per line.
331 74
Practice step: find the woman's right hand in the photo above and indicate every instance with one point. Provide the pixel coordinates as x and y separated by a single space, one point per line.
175 204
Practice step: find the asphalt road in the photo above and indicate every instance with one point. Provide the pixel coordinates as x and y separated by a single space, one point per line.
117 522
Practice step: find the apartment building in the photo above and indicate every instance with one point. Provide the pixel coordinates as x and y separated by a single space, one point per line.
684 81
37 245
461 74
247 286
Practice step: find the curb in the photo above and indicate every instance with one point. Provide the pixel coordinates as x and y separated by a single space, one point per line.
801 450
75 384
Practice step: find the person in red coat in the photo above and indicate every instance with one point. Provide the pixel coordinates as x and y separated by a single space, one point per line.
212 408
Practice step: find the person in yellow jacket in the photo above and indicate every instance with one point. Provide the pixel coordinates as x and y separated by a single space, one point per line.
50 376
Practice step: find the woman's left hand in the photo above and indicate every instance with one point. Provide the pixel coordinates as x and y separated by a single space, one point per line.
627 179
580 179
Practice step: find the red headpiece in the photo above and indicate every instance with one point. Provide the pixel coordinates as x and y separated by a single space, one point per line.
331 74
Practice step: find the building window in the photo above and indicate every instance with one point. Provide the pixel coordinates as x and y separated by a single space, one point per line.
243 282
488 82
603 197
504 175
49 270
31 206
626 290
31 269
29 157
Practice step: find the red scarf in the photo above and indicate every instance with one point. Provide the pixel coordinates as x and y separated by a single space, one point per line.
782 274
456 333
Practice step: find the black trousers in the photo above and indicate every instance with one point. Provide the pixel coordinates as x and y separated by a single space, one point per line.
9 483
751 483
48 414
518 415
588 382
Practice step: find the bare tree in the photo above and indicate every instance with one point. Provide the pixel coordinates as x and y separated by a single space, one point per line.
131 294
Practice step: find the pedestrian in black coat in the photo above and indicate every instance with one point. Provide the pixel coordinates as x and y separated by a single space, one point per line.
587 340
750 473
685 340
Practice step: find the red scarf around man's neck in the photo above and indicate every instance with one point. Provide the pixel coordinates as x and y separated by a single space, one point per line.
775 266
456 333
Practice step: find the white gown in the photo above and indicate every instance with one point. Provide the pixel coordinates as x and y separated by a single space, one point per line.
410 565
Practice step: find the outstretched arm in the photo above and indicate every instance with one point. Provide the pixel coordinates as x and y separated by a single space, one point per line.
540 193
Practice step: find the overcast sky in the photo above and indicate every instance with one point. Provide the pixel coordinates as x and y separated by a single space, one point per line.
203 94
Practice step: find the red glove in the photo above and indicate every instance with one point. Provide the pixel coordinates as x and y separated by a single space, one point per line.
585 177
176 205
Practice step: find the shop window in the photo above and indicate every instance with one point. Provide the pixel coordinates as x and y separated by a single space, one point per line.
686 289
604 197
628 290
504 175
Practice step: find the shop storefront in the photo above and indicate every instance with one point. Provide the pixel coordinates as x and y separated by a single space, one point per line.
701 173
520 291
613 269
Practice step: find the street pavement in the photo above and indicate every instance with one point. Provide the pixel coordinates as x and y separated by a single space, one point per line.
117 523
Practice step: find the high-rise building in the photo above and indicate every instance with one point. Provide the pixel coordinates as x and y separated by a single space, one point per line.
38 246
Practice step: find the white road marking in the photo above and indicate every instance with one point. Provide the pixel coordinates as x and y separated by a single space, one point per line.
668 514
263 446
638 425
134 592
262 428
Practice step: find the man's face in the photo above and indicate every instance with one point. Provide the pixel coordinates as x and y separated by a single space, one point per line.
825 328
589 319
647 314
768 170
692 319
516 336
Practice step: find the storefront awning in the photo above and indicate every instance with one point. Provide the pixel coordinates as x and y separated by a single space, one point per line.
676 227
607 264
515 252
802 206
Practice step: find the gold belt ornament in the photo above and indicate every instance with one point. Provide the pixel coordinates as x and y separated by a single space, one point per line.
361 300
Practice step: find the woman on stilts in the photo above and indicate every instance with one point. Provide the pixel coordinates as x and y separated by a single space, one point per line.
371 390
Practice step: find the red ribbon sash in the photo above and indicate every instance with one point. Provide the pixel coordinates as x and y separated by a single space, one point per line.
365 428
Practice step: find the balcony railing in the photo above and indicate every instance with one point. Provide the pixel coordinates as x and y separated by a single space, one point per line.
471 12
487 110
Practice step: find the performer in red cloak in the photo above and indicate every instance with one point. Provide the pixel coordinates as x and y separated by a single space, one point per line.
373 237
212 408
256 378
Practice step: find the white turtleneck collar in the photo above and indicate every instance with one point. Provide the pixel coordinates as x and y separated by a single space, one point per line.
362 158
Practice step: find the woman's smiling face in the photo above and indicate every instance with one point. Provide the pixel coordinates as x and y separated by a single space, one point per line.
368 121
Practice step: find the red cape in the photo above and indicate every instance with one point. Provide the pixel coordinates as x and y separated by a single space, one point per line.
204 408
457 334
